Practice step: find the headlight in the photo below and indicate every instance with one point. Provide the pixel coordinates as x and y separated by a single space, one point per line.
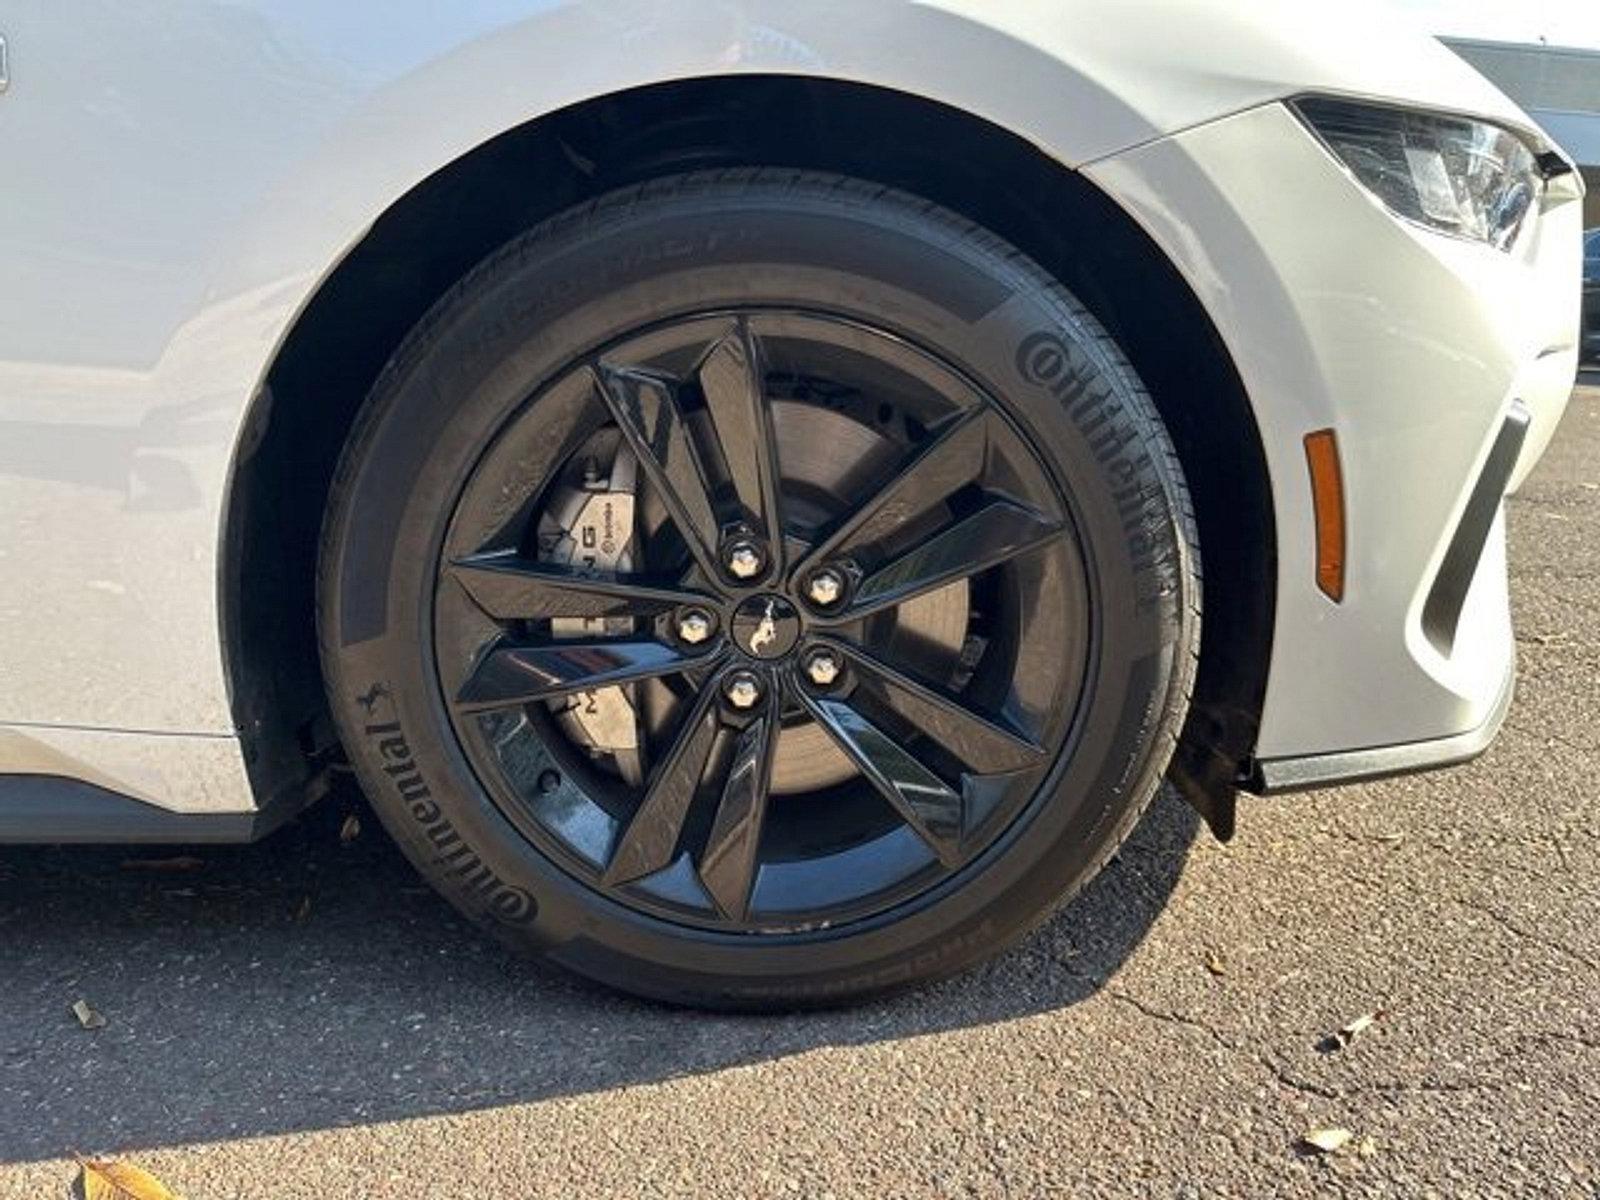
1459 176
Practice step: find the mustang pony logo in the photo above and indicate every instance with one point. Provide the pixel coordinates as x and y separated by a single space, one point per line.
369 699
766 630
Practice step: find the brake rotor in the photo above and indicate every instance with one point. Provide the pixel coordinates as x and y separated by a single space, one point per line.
833 457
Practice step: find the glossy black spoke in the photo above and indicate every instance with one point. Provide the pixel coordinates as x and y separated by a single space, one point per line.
511 674
986 744
732 380
510 587
952 460
926 803
647 412
648 843
994 534
728 865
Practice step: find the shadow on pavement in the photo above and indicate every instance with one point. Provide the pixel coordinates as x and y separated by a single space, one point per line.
302 983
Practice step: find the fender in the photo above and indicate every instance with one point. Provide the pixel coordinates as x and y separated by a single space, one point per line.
182 225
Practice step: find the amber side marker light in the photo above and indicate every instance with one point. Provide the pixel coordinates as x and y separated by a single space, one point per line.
1327 503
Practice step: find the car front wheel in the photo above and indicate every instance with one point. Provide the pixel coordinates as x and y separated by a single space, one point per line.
759 589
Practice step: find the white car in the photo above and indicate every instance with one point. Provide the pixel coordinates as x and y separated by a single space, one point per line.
761 493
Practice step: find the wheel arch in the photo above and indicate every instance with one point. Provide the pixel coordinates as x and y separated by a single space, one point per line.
433 234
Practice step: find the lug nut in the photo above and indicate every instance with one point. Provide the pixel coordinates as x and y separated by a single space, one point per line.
822 667
743 559
694 626
826 587
742 689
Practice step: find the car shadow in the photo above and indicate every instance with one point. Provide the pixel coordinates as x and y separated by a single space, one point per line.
308 982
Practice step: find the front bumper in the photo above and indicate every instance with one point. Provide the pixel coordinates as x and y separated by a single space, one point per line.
1416 349
1269 776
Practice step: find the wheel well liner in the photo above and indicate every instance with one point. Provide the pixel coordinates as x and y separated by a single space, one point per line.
431 236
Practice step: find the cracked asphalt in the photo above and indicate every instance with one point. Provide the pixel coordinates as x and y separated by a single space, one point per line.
303 1018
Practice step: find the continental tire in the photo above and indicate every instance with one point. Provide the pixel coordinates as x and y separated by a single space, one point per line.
758 590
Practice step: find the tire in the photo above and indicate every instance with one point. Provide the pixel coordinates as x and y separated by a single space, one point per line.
942 792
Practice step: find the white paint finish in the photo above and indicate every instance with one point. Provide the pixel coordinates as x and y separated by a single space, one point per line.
182 772
1407 343
180 175
1545 385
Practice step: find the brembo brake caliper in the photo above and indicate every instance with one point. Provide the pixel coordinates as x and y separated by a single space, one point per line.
597 531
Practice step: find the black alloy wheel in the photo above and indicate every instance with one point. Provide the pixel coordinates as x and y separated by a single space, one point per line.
761 625
886 604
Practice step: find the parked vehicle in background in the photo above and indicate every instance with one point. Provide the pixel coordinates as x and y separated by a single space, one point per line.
733 479
1590 351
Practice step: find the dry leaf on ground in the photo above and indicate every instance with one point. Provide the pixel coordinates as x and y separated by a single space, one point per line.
87 1017
1215 964
350 830
101 1180
1349 1032
1326 1141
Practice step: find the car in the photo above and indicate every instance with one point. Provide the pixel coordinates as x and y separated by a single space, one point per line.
1590 349
761 496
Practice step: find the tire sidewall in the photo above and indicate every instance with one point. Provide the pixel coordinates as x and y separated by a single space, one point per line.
569 288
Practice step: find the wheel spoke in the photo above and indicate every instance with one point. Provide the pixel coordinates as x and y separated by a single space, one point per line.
986 744
648 843
953 459
996 533
731 377
512 674
645 409
728 866
510 587
926 803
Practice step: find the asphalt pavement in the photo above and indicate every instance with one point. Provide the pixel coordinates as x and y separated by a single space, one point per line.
302 1018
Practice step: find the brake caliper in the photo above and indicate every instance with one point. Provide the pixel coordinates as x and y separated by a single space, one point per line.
596 532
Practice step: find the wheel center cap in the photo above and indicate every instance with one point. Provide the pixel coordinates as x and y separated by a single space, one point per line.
765 626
